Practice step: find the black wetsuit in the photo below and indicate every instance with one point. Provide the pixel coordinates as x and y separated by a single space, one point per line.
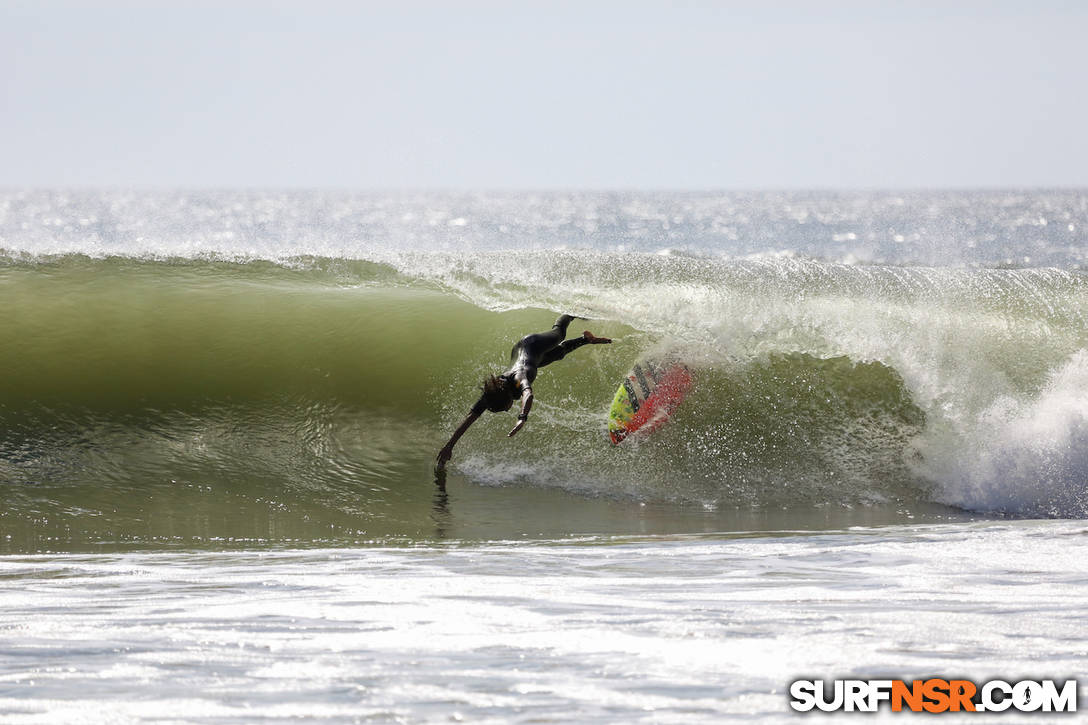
535 351
540 349
531 353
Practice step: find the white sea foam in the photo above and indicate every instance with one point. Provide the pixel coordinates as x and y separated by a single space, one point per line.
1026 455
652 630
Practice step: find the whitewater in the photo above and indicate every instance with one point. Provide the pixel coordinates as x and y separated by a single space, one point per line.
220 410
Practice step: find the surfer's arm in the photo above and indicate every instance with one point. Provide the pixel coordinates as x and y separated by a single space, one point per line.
446 453
526 405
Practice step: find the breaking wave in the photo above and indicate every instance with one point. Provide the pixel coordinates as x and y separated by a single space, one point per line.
815 383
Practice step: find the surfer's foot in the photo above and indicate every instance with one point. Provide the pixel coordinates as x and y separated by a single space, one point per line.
595 340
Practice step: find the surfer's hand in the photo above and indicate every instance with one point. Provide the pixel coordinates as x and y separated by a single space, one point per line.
595 340
444 457
517 427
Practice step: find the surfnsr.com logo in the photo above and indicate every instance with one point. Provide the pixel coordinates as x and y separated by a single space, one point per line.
934 695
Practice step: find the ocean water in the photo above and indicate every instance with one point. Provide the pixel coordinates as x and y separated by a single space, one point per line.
219 414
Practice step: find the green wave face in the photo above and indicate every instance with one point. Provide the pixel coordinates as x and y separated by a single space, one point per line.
130 336
171 398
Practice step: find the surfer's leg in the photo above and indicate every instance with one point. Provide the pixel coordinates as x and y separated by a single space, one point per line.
539 344
560 351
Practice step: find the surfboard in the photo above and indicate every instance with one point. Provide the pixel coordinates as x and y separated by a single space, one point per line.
647 397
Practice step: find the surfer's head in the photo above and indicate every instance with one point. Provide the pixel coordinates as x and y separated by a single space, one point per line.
498 394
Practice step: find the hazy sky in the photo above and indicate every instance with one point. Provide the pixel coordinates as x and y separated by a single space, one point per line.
665 95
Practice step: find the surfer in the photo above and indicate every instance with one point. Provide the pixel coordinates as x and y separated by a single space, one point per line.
529 354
